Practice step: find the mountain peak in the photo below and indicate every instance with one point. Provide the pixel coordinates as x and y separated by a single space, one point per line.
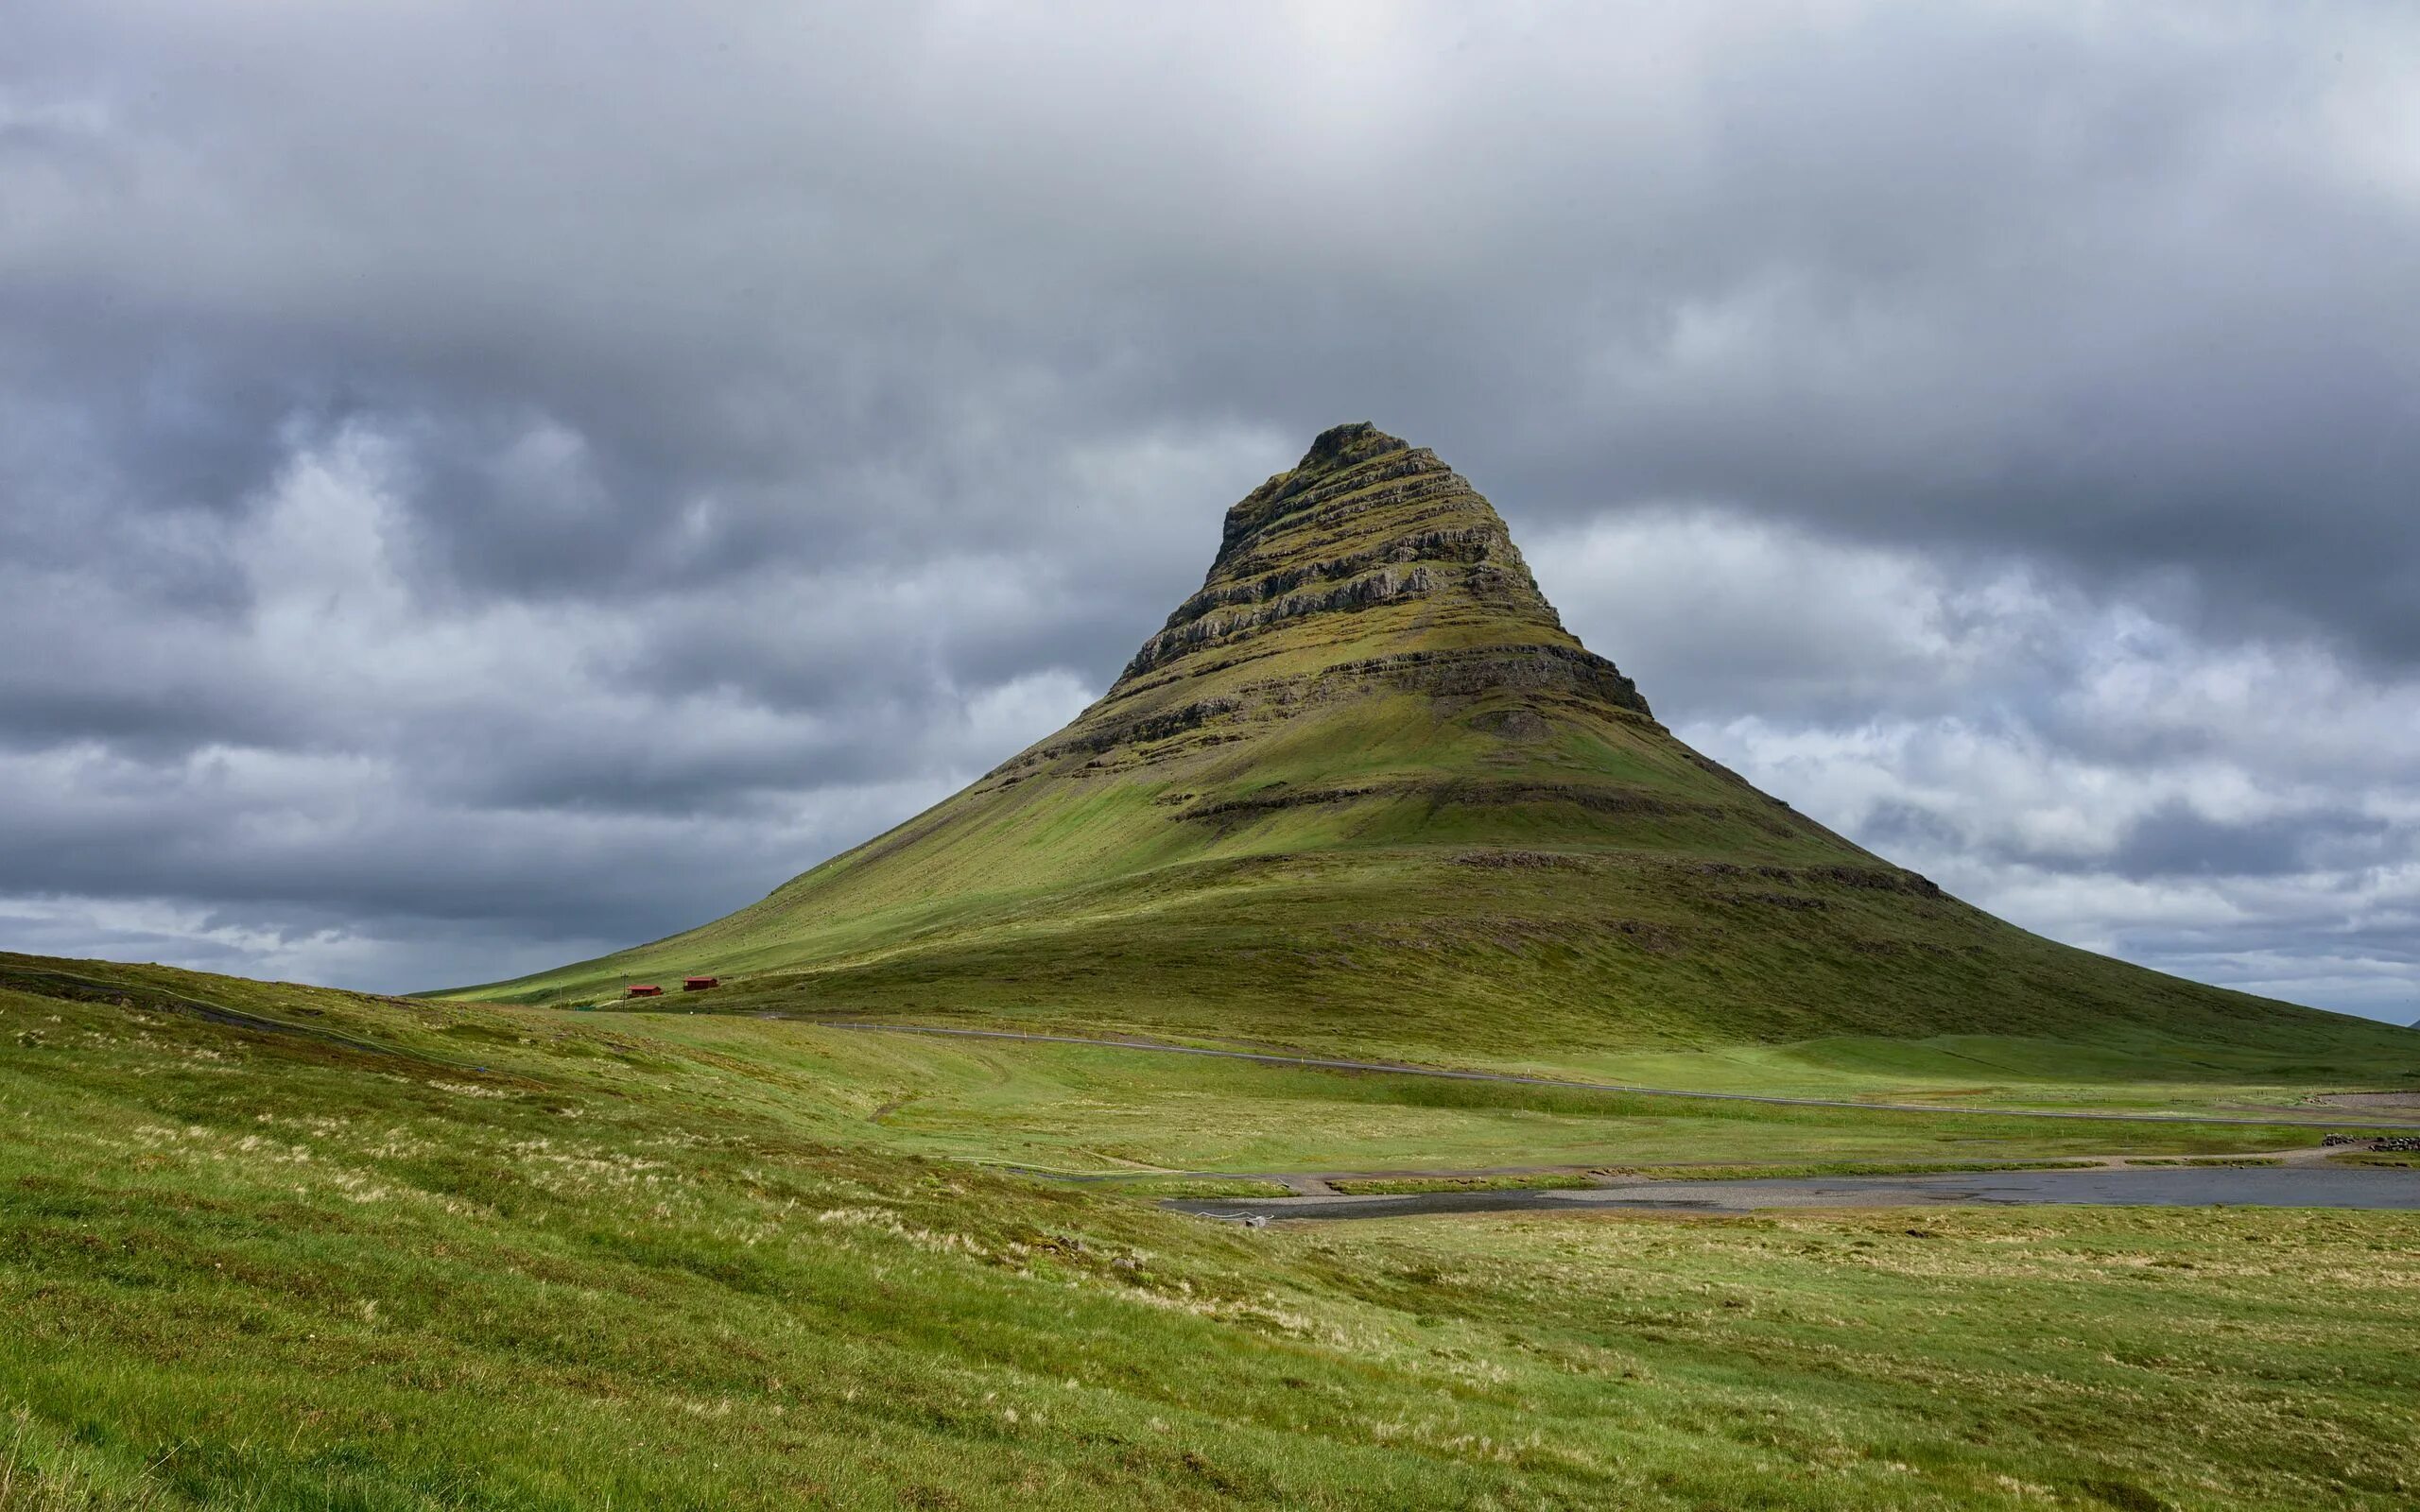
1341 460
1364 785
1368 545
1353 442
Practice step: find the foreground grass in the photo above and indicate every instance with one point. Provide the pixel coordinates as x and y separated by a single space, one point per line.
419 1258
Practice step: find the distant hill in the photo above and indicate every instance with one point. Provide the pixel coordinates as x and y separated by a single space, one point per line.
1364 789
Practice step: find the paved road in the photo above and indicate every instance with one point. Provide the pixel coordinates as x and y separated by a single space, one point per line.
2165 1187
1394 1068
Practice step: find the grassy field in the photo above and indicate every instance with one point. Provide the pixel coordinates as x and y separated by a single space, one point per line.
1085 1110
271 1247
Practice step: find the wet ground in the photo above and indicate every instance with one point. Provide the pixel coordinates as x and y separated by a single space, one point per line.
2306 1186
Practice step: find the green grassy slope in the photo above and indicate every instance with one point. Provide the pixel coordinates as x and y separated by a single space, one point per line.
1365 792
269 1246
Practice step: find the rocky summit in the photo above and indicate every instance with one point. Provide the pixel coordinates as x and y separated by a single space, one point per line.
1363 520
1370 569
1364 790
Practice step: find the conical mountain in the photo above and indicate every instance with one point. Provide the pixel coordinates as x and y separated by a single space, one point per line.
1364 789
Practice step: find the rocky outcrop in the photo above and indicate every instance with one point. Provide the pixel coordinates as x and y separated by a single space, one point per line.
1381 587
1147 729
1335 452
1467 673
1363 520
1370 570
1471 546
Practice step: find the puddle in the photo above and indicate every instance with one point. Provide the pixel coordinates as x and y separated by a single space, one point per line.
2157 1187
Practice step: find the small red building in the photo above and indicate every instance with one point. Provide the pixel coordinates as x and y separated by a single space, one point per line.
698 984
646 992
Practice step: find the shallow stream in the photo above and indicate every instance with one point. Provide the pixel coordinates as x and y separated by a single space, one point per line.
2159 1187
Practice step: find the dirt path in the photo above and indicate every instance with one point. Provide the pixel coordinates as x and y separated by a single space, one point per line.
1396 1068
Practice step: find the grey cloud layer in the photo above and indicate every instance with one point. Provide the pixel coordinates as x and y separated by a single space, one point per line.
2242 810
507 440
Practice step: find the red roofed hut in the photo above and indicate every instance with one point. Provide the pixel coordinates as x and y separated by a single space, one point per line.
646 992
698 984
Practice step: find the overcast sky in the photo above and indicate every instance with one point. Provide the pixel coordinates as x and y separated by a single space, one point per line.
486 483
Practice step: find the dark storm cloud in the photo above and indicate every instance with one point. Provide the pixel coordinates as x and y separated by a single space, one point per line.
448 430
2117 291
2174 840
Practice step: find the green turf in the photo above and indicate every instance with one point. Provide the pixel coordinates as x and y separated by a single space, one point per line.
271 1247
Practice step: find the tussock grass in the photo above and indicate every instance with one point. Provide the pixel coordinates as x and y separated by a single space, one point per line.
336 1263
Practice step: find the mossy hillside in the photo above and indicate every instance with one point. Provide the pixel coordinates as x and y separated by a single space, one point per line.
326 1250
1357 955
1363 791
